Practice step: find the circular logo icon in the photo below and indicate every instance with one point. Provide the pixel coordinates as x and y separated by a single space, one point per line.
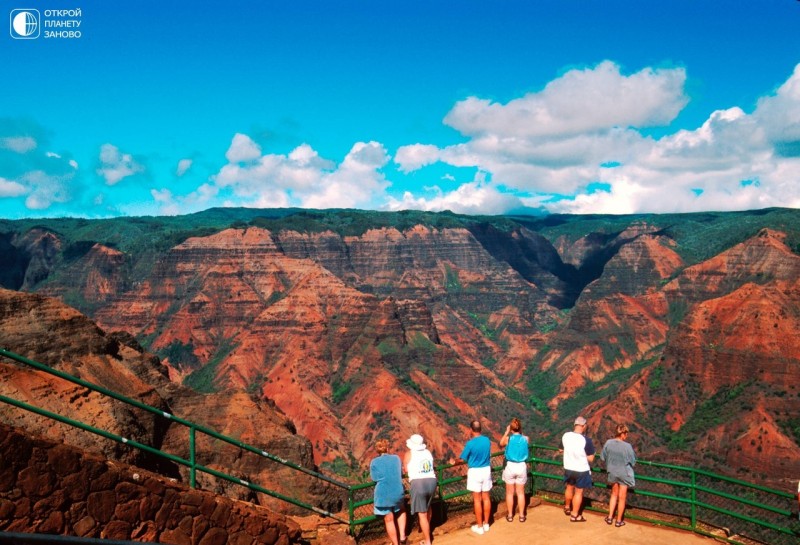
25 23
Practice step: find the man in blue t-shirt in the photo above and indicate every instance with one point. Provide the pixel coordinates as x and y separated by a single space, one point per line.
477 454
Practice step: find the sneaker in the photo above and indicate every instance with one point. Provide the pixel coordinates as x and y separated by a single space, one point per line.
477 529
485 528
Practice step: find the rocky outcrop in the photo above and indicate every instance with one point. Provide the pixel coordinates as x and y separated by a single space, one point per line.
47 331
53 488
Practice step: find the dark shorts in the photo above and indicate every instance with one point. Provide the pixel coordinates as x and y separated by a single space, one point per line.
579 479
422 491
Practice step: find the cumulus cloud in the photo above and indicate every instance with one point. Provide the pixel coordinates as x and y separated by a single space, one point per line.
9 188
579 102
242 149
779 115
475 197
115 165
413 157
553 147
302 177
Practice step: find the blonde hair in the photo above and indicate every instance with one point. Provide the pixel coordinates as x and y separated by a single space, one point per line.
382 446
621 428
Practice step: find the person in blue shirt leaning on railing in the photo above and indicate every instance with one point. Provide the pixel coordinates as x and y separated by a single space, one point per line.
389 499
515 474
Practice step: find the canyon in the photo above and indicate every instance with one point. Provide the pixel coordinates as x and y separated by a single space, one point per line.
313 333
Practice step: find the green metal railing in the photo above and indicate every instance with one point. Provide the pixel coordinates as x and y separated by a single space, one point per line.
669 495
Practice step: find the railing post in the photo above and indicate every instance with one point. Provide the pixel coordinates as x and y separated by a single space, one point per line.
531 471
694 500
439 482
192 458
351 510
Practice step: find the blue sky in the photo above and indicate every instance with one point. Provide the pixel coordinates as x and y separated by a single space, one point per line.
484 107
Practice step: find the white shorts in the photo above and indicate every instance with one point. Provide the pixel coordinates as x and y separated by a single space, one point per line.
479 479
515 473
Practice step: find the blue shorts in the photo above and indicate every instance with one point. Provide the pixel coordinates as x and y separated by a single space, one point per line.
578 479
383 510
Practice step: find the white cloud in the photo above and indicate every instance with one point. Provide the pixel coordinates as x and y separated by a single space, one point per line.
576 146
355 183
18 144
115 165
413 157
44 189
475 197
242 149
779 114
183 166
560 141
303 178
31 173
10 188
579 102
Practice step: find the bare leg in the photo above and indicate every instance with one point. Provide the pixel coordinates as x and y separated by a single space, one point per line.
510 499
623 496
568 493
521 503
391 528
577 500
612 502
477 506
425 526
401 524
487 507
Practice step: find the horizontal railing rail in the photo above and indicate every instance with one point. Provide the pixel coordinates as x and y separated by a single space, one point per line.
670 495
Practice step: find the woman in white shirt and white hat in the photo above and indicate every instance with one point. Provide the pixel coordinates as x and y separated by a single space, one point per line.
418 462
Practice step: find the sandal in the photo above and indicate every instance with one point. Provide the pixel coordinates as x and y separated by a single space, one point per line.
568 511
619 523
523 518
510 518
609 520
579 518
